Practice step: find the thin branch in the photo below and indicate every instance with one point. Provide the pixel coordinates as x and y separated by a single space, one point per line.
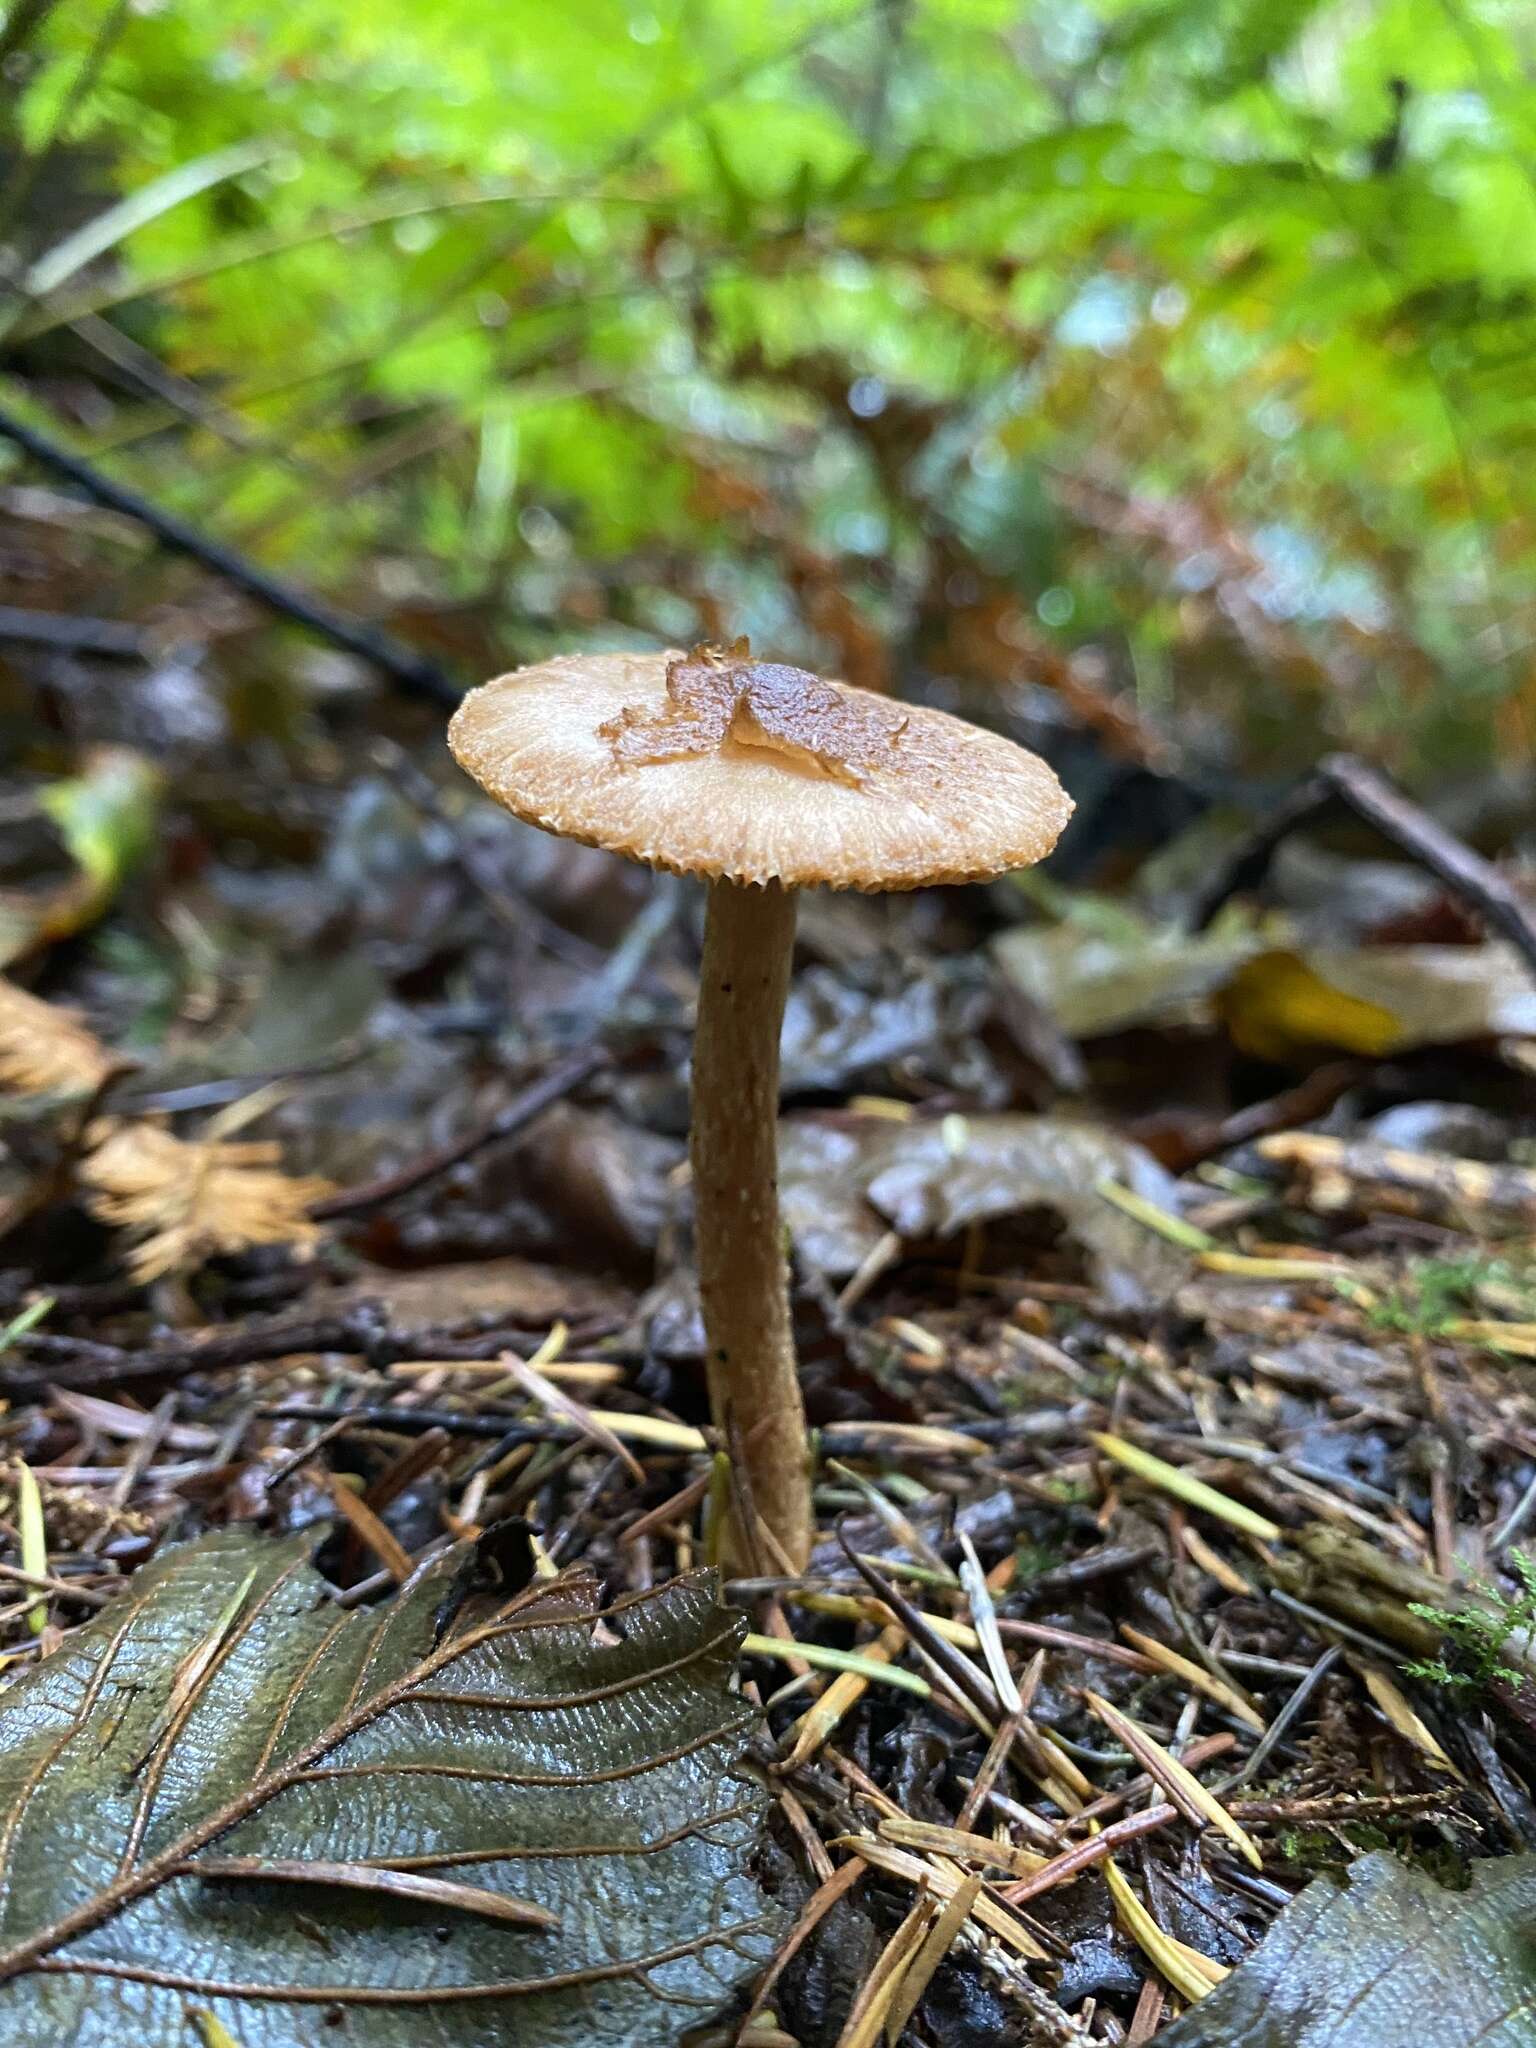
414 672
1398 818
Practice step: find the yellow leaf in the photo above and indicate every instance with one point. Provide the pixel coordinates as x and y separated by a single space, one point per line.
1278 1008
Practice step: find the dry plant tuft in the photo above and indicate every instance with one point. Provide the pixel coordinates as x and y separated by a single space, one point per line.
47 1051
181 1200
184 1200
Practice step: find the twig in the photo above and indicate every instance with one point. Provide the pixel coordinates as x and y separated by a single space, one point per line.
88 1596
362 1332
529 1103
414 672
108 638
1399 819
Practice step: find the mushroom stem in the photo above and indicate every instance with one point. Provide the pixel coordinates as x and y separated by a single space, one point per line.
754 1392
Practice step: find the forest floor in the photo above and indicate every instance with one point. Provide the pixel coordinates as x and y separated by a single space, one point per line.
1167 1320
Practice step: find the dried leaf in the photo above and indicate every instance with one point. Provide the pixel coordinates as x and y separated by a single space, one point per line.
1095 980
1387 1959
568 1790
1106 973
1439 995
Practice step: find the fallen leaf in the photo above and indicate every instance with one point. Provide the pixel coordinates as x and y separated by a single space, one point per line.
1387 1959
867 1022
845 1182
106 819
1440 995
489 1293
1279 1007
1100 975
1094 981
568 1791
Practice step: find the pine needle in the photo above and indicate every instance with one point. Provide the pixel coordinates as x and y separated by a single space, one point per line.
1172 1228
1217 1689
871 1669
1395 1707
944 1879
873 2002
1180 1783
33 1538
1191 1974
1183 1486
820 1721
918 1974
963 1846
211 2029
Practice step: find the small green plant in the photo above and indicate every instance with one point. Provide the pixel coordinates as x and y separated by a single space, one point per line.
1479 1635
1435 1293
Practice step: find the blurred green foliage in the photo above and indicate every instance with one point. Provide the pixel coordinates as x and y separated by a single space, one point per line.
1176 355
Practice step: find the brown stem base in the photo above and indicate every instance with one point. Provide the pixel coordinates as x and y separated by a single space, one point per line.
754 1390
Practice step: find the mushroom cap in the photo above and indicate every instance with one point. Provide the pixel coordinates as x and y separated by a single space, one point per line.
721 766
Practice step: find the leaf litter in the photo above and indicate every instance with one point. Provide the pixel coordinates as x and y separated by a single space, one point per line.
1171 1417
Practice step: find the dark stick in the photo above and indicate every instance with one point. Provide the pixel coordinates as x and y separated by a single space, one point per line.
529 1103
79 1363
1399 819
415 672
108 638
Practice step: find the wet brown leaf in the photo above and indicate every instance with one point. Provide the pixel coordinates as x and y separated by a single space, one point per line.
846 1181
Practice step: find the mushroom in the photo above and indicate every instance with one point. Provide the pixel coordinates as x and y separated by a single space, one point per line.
763 779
